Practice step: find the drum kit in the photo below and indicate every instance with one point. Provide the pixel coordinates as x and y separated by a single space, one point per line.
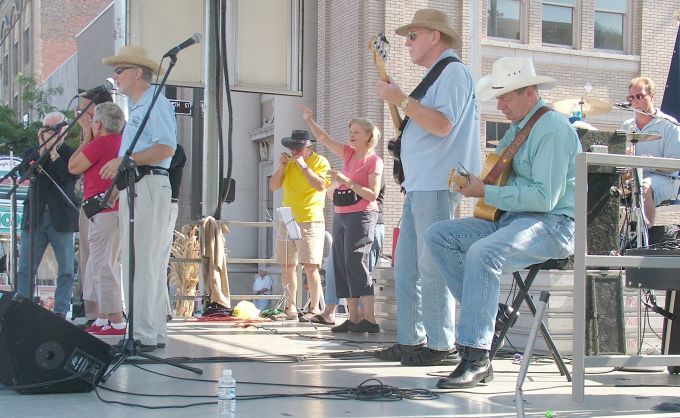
578 109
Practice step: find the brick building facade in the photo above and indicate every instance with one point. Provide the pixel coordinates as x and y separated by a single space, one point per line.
641 44
37 36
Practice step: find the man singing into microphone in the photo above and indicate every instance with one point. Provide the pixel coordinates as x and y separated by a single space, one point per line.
56 219
657 185
133 71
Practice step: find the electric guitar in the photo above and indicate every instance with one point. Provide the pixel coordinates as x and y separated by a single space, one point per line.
380 48
482 210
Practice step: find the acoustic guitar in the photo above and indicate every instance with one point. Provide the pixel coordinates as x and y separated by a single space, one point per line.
497 169
482 210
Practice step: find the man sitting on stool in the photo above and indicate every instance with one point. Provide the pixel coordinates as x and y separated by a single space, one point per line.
537 225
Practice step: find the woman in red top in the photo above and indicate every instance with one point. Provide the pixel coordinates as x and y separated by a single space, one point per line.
103 234
356 213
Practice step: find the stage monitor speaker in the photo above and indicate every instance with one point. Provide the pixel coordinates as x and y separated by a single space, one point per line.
42 353
605 333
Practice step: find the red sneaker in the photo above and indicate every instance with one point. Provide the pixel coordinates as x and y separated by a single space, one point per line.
110 330
94 328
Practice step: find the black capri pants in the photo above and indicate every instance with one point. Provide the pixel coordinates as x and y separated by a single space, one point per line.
352 240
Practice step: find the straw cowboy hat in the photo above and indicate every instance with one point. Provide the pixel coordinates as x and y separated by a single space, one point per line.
134 55
511 73
435 20
297 139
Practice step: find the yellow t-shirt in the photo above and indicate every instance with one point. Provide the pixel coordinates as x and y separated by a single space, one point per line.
305 201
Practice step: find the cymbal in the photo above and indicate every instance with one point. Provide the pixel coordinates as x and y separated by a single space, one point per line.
640 137
590 106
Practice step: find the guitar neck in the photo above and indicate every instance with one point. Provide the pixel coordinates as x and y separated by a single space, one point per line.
394 112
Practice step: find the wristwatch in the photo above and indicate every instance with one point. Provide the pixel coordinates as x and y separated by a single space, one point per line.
402 105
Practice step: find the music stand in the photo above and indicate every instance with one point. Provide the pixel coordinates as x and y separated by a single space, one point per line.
128 170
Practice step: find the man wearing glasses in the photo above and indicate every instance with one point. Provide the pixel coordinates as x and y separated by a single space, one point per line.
133 72
56 218
442 131
657 185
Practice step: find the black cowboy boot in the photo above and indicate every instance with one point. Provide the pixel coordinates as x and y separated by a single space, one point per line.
505 314
474 367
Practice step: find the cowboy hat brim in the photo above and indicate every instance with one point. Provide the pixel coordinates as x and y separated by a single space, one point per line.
291 143
456 42
487 91
134 60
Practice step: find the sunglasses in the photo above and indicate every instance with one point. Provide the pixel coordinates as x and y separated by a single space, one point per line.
119 70
636 96
412 34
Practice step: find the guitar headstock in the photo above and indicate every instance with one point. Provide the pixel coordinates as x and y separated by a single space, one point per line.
380 47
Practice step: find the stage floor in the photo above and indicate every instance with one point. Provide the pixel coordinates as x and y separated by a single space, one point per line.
292 358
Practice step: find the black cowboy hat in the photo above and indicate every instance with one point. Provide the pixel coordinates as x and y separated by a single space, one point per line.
297 139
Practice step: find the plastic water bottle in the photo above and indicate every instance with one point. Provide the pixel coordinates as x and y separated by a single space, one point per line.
198 306
226 395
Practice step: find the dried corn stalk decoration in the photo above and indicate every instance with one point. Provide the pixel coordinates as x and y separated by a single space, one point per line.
184 275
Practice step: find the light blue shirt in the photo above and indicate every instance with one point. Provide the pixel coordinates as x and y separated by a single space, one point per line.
668 146
543 175
428 159
161 128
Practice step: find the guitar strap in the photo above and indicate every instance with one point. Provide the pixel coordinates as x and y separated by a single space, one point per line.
509 153
427 82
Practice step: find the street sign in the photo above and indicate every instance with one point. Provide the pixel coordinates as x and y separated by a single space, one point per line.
6 164
182 107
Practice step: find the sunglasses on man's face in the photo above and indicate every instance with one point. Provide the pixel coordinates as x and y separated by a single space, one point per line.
119 70
638 96
413 34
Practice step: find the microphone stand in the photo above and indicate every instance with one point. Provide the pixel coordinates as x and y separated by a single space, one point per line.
629 109
128 169
33 195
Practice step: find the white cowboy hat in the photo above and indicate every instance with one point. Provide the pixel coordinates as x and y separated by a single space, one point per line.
511 73
435 20
134 55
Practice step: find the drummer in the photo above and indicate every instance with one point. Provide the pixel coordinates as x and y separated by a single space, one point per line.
657 185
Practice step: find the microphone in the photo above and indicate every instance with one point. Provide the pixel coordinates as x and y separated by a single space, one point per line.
195 39
107 87
623 105
57 127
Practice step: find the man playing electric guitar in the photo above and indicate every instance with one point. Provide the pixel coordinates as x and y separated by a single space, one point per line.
538 225
442 130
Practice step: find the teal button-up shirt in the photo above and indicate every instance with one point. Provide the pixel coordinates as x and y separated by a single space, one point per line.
543 175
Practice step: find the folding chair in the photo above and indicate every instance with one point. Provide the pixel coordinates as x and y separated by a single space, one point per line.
523 296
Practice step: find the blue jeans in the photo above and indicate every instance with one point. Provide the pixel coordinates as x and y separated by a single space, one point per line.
62 244
472 254
425 306
378 238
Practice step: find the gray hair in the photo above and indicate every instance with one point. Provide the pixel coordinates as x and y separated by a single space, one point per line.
147 74
111 117
57 115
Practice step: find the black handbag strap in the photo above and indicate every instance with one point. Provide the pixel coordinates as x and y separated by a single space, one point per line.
427 82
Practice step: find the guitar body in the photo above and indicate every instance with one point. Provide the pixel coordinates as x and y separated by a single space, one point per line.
483 210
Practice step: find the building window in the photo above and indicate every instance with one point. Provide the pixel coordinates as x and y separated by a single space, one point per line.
5 69
27 46
15 59
558 22
494 133
610 18
504 19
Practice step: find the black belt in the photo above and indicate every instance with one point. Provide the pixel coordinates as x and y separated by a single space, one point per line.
154 171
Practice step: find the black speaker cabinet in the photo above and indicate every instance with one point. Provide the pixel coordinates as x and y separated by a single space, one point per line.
42 353
605 332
